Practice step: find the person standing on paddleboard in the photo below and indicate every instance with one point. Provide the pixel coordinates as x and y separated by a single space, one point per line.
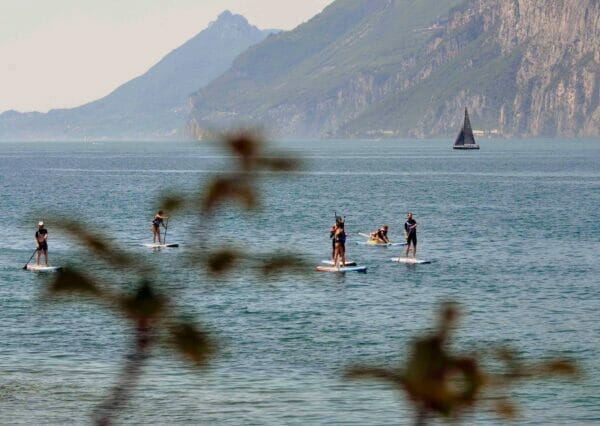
156 223
410 233
340 244
332 231
41 242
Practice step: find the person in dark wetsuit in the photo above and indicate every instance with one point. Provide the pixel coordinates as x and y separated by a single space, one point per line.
340 245
410 232
156 223
41 242
381 235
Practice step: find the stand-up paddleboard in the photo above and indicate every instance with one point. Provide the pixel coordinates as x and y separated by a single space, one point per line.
341 269
161 246
409 260
43 268
330 262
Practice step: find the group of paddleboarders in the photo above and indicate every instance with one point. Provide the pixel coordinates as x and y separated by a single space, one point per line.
337 234
41 236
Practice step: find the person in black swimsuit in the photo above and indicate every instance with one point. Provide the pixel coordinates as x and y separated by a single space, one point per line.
156 223
410 233
332 231
340 245
41 242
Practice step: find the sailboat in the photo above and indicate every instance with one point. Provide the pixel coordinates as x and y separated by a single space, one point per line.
465 139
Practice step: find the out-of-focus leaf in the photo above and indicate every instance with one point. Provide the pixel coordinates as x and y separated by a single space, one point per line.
245 145
365 372
171 202
283 263
144 303
71 281
448 316
193 343
558 367
279 164
505 408
98 245
221 261
229 188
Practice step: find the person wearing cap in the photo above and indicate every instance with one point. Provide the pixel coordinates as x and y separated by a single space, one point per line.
41 242
410 233
381 235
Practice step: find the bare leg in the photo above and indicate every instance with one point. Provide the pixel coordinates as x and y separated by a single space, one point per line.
343 249
415 251
37 262
406 250
46 257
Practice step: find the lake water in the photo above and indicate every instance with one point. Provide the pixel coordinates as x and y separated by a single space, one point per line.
512 230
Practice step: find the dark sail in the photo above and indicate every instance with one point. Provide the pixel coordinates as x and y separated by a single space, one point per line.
465 137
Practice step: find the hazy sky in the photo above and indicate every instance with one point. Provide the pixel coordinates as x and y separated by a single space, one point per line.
63 53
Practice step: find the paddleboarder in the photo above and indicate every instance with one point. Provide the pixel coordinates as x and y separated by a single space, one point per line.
339 240
334 227
381 235
410 233
156 223
41 242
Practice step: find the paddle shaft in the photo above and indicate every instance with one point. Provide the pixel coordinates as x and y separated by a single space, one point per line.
33 254
166 229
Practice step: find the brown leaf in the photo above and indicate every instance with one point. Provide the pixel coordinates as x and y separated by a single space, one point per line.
144 303
229 188
98 245
193 343
171 202
558 367
70 280
283 263
505 408
221 261
279 164
365 372
246 145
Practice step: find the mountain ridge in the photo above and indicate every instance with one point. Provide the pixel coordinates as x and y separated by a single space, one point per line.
152 105
433 59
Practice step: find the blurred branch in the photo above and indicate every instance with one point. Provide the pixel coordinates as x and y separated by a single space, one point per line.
440 383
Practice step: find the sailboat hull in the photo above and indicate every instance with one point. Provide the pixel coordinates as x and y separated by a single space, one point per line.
466 146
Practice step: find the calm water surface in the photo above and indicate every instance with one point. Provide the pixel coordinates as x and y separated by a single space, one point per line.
513 232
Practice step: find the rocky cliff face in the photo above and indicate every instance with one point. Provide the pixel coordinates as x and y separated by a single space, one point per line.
557 62
400 68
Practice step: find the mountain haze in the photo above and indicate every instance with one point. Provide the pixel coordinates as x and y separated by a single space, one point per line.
151 106
407 68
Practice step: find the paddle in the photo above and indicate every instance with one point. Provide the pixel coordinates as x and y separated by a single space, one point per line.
33 254
166 229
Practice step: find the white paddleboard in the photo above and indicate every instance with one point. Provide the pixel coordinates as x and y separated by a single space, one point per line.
341 269
409 260
159 246
43 268
330 262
